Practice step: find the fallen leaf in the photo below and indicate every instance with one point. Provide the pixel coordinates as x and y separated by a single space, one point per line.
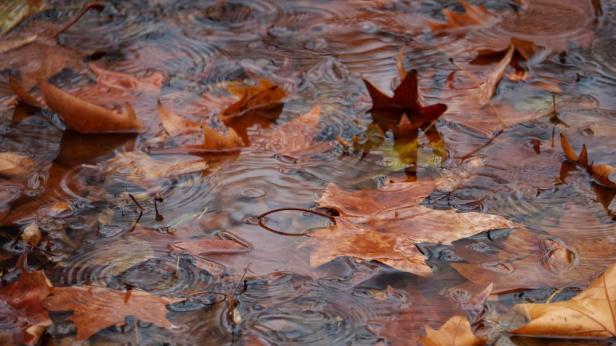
8 45
455 332
12 12
590 314
174 124
264 95
14 164
390 235
472 17
22 94
214 140
604 174
85 117
405 100
367 203
488 88
139 167
24 298
207 246
96 308
31 234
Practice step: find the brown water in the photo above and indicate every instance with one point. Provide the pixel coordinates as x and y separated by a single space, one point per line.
318 51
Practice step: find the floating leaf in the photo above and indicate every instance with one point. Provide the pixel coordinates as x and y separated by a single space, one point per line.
589 314
455 332
14 164
85 117
174 124
96 308
472 17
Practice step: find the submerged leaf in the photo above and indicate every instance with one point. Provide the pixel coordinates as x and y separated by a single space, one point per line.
262 96
589 314
96 308
455 332
604 174
174 124
24 298
85 117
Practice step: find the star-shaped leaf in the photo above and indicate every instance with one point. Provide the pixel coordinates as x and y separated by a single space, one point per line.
404 101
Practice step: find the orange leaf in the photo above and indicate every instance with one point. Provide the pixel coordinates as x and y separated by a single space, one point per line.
263 96
22 94
473 16
96 308
174 124
85 117
216 141
25 297
455 332
589 314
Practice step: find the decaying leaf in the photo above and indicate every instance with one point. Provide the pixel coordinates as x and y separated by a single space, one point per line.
487 89
140 167
603 173
590 314
14 164
174 124
262 96
405 100
455 332
390 235
96 308
473 16
23 299
85 117
7 45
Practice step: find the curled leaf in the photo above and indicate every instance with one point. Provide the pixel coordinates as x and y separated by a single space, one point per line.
455 332
85 117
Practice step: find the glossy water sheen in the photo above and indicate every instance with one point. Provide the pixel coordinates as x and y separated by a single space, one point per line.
318 51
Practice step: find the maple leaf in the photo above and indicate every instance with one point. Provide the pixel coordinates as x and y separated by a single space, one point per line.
263 96
404 101
96 308
473 16
85 117
24 298
603 173
390 235
455 332
590 314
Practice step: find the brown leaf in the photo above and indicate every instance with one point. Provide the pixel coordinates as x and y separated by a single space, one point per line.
224 244
141 167
604 174
24 297
85 117
14 164
214 140
487 89
390 235
22 94
262 96
174 124
405 100
8 45
473 16
96 308
455 332
589 314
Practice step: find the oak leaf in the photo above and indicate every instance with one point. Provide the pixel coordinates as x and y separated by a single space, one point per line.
473 16
590 314
23 299
405 100
455 332
96 308
85 117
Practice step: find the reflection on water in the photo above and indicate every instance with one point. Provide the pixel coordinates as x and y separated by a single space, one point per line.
111 206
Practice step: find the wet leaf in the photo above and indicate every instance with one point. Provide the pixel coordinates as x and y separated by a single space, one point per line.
472 17
205 246
8 45
22 94
589 314
31 234
487 89
141 167
262 96
604 174
217 141
15 164
174 124
455 332
23 299
405 100
390 236
85 117
96 308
